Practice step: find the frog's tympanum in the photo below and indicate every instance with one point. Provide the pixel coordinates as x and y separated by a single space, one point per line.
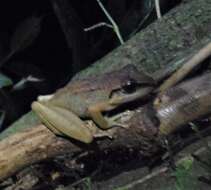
89 98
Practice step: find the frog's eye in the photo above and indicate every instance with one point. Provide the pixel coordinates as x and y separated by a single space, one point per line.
130 86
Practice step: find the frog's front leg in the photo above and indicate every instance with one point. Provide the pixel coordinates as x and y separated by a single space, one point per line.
63 122
95 111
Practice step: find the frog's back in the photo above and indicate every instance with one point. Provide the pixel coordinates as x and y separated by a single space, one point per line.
80 102
79 95
107 81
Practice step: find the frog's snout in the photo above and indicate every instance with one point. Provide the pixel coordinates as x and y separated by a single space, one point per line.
33 105
45 97
38 107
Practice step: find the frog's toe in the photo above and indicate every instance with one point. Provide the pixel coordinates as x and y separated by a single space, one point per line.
112 123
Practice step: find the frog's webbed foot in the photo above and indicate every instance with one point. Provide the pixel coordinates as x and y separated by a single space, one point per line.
116 121
113 123
120 119
97 132
63 122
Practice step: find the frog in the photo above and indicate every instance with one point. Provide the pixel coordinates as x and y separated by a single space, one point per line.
64 111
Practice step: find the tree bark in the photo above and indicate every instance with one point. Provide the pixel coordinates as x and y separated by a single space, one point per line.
178 34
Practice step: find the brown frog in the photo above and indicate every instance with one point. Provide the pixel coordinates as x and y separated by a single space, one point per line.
88 98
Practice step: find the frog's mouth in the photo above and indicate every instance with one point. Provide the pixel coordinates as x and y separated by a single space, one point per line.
124 96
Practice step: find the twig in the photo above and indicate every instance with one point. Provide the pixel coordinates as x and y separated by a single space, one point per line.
198 58
142 22
21 84
157 8
115 27
97 26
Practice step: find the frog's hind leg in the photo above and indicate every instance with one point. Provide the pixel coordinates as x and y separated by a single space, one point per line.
63 122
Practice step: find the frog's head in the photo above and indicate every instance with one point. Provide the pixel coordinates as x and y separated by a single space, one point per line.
132 76
135 84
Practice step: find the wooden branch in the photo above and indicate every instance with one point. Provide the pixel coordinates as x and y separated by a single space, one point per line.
183 31
39 143
181 73
29 146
